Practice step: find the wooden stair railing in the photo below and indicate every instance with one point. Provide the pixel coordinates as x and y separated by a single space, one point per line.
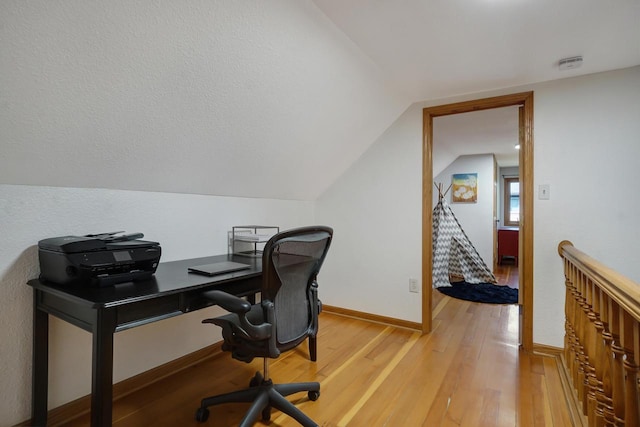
602 339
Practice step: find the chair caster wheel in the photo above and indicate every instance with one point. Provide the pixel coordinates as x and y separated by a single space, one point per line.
266 414
313 395
202 414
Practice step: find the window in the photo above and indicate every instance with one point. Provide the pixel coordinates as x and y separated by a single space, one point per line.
511 201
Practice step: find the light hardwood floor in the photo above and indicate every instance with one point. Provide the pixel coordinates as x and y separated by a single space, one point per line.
467 372
507 273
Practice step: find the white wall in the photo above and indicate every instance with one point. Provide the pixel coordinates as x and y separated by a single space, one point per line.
185 225
376 209
476 219
586 146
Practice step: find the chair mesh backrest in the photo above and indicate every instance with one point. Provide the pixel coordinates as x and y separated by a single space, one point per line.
293 261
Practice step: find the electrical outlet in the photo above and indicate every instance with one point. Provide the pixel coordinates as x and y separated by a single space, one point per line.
413 285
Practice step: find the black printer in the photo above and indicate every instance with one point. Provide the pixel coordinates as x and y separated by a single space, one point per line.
97 259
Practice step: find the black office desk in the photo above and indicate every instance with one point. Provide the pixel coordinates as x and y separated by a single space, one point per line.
103 311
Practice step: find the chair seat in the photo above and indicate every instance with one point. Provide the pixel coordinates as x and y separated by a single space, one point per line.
236 340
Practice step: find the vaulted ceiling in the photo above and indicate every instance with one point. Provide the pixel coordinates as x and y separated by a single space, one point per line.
272 99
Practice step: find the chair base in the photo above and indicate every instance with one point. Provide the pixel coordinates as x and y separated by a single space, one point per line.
264 395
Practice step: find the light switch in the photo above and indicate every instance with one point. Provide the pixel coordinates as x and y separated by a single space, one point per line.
543 192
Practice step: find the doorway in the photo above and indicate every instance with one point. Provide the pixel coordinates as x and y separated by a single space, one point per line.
525 125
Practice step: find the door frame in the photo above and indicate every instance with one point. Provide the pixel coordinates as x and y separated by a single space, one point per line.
525 256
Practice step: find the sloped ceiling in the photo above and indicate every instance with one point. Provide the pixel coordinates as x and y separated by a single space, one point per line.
241 98
271 99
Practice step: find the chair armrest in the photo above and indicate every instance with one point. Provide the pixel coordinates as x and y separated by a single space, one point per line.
270 314
240 307
316 307
227 301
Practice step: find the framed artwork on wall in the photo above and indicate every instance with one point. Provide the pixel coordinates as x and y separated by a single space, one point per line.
464 188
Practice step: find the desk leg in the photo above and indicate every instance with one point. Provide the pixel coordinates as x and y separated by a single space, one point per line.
40 367
102 369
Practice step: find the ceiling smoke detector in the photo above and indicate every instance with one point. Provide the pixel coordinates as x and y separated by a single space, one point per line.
570 63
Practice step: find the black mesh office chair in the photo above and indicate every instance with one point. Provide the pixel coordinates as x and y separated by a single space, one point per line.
285 317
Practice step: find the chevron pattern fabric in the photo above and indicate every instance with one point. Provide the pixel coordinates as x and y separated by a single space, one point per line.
453 253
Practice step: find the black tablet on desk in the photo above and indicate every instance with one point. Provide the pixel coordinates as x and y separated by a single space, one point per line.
218 268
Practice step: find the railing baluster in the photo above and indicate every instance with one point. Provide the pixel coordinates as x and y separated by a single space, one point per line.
602 339
601 363
617 369
585 342
636 351
591 380
606 400
571 349
630 370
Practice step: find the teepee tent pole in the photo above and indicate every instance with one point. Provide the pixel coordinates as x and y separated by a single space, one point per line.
439 187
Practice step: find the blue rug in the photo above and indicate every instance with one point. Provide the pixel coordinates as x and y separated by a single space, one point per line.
481 292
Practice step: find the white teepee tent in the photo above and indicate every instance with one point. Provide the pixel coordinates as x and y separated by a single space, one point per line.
453 253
